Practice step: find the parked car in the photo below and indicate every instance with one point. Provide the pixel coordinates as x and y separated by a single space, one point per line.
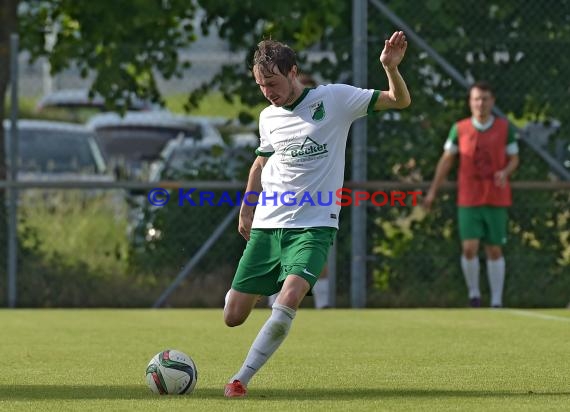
49 150
133 141
183 159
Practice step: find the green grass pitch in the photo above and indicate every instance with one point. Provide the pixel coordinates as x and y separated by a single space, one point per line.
341 360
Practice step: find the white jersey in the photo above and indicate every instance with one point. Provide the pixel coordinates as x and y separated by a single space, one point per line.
306 145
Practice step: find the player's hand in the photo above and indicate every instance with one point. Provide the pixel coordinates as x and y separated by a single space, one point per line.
394 50
428 201
501 178
245 222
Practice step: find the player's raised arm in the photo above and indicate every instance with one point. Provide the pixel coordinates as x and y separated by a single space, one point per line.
397 96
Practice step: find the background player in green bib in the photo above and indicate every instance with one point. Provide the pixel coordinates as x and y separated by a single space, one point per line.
300 158
488 154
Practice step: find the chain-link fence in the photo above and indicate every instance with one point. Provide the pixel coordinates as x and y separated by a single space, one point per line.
106 248
95 247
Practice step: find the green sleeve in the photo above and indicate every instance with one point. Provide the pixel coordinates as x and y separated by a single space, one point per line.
452 136
263 154
513 134
373 100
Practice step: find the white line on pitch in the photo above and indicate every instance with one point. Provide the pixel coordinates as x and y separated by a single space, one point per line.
538 315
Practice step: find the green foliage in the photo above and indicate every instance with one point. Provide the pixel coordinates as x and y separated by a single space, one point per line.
72 253
166 238
70 223
124 44
418 255
298 23
178 231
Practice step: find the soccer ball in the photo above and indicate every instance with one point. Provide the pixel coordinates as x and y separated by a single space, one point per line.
171 372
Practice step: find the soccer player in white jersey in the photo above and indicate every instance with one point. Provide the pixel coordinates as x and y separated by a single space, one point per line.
289 216
321 287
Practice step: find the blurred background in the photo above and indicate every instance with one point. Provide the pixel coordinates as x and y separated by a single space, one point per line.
116 98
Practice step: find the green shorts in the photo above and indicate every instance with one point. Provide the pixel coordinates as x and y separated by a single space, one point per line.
486 223
272 254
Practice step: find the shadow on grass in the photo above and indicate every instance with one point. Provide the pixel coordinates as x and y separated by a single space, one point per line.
70 392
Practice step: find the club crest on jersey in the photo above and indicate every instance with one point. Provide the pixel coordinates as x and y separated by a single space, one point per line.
317 111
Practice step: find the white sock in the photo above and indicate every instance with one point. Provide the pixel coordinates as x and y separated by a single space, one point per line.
321 293
269 338
471 273
496 274
271 299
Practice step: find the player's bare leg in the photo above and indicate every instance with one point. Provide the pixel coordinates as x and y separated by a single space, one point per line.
238 307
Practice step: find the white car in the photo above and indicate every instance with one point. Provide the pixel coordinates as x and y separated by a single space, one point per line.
136 139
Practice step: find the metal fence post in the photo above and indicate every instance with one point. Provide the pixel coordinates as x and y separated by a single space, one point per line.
13 175
359 130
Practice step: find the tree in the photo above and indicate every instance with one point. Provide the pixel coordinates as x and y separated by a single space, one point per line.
124 43
303 25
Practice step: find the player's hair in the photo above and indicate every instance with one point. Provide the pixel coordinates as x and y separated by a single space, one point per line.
306 80
481 85
270 54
